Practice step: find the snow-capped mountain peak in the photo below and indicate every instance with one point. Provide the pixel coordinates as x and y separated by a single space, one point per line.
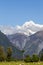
28 23
31 23
27 28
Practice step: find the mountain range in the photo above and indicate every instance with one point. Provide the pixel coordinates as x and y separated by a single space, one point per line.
28 37
31 44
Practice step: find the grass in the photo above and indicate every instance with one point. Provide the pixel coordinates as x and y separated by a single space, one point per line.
21 63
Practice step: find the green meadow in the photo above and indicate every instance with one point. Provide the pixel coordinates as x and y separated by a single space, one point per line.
21 63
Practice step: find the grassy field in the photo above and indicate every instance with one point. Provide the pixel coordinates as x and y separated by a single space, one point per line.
20 63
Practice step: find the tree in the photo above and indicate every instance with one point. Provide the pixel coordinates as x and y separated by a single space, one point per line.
35 58
41 57
9 53
2 54
23 54
27 58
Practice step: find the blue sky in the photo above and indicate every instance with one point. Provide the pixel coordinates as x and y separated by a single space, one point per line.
17 12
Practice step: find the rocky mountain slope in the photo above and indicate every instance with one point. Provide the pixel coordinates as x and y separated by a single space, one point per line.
4 41
18 40
31 44
34 43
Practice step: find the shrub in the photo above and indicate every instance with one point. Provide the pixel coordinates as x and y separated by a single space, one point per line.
41 57
35 58
27 58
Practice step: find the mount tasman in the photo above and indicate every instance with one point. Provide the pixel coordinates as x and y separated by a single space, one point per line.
28 37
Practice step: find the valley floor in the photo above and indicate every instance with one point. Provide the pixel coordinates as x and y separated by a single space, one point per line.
21 63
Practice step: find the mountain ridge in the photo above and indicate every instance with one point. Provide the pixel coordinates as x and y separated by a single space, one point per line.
33 44
27 28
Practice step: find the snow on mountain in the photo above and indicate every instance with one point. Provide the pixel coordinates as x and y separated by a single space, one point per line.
27 28
32 26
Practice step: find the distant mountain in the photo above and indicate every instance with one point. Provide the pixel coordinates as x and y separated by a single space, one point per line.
28 37
31 44
4 41
27 28
34 43
18 40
